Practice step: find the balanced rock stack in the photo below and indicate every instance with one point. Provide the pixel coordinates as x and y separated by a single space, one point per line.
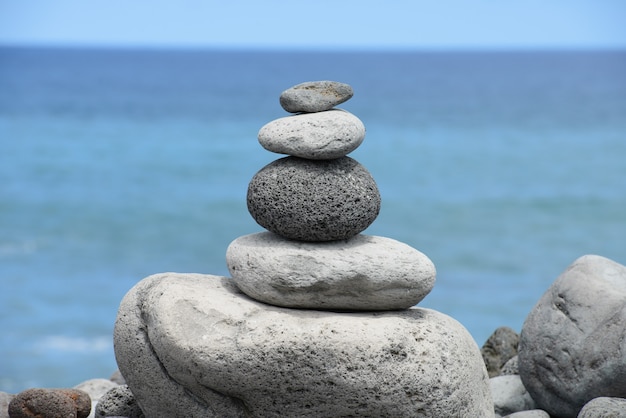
318 319
316 202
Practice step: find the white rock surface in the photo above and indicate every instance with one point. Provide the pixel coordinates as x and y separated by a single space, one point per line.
316 136
195 346
509 395
362 273
573 342
604 407
5 400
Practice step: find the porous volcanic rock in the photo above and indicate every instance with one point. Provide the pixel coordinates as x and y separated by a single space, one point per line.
44 402
193 345
573 343
119 402
362 273
309 200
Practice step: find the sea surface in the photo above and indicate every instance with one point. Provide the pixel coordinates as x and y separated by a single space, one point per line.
502 167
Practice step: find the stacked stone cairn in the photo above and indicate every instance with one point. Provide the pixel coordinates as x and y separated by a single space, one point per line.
318 319
316 202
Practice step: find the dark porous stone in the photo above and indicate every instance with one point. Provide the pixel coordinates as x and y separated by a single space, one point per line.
499 348
315 96
310 200
50 403
119 401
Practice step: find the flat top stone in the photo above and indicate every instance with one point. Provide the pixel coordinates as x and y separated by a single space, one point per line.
318 136
315 96
362 273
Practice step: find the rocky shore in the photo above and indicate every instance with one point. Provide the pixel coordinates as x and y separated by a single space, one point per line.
321 320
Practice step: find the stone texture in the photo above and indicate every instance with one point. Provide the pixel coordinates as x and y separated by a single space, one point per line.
510 367
5 399
117 377
499 348
120 401
362 273
314 200
573 342
193 345
50 403
604 407
315 96
317 136
509 395
95 388
533 413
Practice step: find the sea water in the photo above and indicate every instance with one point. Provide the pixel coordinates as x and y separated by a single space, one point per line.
502 167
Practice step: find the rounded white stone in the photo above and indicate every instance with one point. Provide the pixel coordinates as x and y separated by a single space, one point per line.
316 136
509 395
362 273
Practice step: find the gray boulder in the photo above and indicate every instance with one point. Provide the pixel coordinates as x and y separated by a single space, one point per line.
193 345
309 200
499 348
317 136
361 273
604 407
573 342
315 96
510 395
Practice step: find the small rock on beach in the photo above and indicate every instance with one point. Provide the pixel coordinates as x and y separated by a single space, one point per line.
499 348
50 403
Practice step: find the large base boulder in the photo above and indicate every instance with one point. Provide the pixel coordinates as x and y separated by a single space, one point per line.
573 343
194 345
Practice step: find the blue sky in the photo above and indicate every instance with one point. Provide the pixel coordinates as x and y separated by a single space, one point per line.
415 24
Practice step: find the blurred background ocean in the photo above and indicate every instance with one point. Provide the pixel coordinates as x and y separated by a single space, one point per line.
502 167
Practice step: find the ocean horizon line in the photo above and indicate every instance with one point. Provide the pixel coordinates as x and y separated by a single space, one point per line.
308 49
